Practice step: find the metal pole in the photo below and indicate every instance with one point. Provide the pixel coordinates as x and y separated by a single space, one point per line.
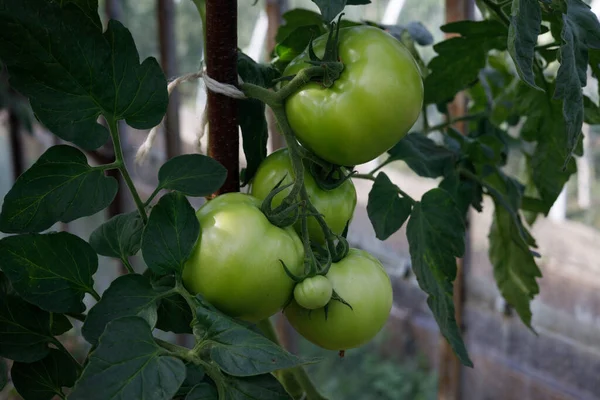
221 65
168 59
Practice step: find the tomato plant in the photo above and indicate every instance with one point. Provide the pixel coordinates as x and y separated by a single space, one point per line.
314 292
369 108
236 240
361 281
218 273
337 205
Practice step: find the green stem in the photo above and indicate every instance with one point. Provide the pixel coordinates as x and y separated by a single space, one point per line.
152 196
497 9
295 380
197 328
62 348
95 294
179 351
128 266
370 177
106 167
114 133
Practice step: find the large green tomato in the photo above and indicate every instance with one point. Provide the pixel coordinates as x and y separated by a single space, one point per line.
336 206
235 264
360 280
372 105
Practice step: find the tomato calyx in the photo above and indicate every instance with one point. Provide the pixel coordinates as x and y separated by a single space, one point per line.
328 176
330 62
286 213
336 297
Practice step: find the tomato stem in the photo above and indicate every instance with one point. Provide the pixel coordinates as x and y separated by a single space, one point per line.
120 161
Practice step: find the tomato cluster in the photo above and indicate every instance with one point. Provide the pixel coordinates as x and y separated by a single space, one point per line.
239 263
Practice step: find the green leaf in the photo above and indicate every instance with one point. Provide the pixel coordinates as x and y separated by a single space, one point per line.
525 26
296 18
515 269
591 112
72 71
60 186
53 271
387 211
460 59
545 124
251 114
423 155
240 351
25 330
581 30
128 364
174 315
194 375
331 8
295 43
203 391
192 174
170 235
128 295
465 192
60 324
44 379
119 237
435 235
3 374
261 387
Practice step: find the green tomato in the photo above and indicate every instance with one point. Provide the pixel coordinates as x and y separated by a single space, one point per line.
373 104
336 206
362 282
235 264
314 292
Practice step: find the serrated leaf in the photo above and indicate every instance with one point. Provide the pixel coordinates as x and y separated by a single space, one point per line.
460 59
203 391
240 351
525 26
515 269
119 237
128 295
174 315
295 18
170 235
44 379
3 374
72 71
435 235
546 126
128 364
386 209
581 30
53 271
251 114
465 192
60 186
331 8
192 174
25 330
261 387
423 155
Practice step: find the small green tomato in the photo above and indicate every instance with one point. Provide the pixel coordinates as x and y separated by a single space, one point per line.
314 292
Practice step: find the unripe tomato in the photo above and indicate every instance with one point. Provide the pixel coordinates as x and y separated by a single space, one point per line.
336 206
361 281
313 292
235 264
373 104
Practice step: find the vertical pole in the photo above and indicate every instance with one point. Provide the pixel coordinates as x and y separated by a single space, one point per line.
450 367
274 9
168 60
221 65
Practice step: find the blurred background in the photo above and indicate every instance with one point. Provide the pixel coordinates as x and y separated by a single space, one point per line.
409 359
